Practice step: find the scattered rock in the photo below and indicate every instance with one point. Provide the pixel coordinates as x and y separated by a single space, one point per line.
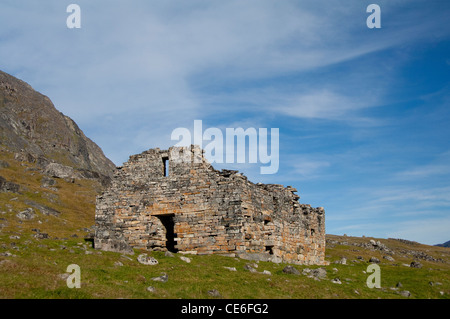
342 261
404 293
399 285
118 264
389 258
126 257
14 237
146 260
43 209
168 254
59 171
249 267
7 254
415 264
230 268
378 245
374 260
27 214
291 270
266 272
318 273
336 281
151 289
214 293
186 259
162 278
48 182
6 186
41 236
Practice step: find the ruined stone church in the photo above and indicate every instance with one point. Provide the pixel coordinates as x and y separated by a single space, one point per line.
158 202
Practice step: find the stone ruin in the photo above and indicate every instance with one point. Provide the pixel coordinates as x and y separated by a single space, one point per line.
158 202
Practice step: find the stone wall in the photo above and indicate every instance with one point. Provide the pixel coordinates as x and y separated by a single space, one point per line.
197 209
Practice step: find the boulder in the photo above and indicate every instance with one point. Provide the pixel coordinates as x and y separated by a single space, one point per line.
336 281
163 278
405 293
59 171
168 254
146 260
185 259
27 214
291 270
318 273
6 186
151 289
250 267
214 293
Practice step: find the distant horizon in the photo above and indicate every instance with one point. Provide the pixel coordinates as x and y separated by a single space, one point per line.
363 113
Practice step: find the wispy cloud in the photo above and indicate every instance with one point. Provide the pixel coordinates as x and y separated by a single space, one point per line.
307 168
134 72
438 166
429 231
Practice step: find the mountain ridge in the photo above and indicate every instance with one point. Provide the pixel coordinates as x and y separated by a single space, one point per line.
32 128
446 244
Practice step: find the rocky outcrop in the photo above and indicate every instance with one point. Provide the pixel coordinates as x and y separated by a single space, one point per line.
6 186
32 128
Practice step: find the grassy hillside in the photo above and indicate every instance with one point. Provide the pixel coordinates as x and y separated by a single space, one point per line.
35 253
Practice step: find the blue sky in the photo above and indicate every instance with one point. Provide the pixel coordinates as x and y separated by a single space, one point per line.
363 114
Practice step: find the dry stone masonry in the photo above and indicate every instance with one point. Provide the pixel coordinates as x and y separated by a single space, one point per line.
157 202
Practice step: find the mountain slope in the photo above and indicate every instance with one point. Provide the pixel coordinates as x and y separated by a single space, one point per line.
446 244
50 172
31 127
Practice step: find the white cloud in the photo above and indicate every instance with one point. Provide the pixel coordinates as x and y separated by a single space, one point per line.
136 71
308 168
325 104
439 166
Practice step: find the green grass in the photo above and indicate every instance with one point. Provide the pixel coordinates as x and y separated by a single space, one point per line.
34 273
35 270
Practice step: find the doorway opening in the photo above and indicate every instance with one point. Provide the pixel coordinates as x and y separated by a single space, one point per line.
169 225
269 249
